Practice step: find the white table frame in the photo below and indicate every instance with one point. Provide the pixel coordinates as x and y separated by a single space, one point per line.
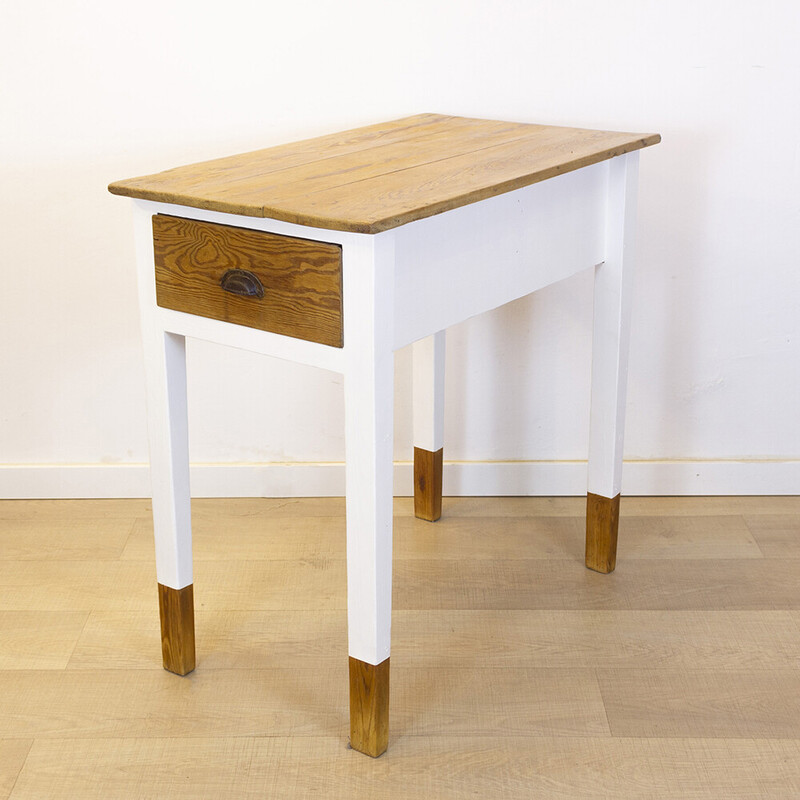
405 285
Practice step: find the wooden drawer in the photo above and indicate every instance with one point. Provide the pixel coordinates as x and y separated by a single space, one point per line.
274 283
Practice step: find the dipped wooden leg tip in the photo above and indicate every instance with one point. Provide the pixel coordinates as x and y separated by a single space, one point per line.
176 608
428 484
369 707
602 526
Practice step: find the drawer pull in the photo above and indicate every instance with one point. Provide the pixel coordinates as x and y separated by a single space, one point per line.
242 282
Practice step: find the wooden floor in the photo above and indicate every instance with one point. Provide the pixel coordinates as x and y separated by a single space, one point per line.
516 672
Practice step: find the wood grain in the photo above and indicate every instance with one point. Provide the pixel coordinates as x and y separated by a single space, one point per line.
301 701
687 536
602 525
464 538
39 639
63 539
456 639
512 701
666 507
13 753
646 584
261 529
225 508
255 536
515 671
226 639
563 537
372 179
777 535
176 611
142 702
230 171
444 767
302 279
73 511
369 707
250 537
428 483
587 639
510 506
59 586
419 583
702 703
240 508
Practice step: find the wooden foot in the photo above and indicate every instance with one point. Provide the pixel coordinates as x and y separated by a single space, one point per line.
602 524
176 607
369 707
428 484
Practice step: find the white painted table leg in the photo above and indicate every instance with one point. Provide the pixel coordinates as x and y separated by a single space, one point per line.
612 313
429 355
369 394
165 372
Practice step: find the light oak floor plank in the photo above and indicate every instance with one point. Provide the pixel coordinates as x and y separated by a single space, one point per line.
715 704
261 536
69 539
778 535
250 537
729 584
77 586
460 639
241 585
223 510
508 701
297 702
39 639
712 506
655 584
686 536
444 767
618 639
560 537
226 508
121 703
60 510
225 640
13 753
502 506
629 506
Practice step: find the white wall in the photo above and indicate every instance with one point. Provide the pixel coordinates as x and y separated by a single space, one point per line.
94 91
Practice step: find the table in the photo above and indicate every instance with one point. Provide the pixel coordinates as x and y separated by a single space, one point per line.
339 250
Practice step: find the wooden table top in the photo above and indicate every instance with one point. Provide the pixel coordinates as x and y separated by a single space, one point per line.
375 178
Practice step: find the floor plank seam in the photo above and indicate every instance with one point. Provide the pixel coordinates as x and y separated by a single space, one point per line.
19 771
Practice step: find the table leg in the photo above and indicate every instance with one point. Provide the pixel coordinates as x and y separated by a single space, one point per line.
165 373
369 401
612 313
429 354
169 471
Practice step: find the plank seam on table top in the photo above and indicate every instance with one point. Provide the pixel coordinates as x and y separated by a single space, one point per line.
273 212
416 213
380 224
387 145
366 144
429 136
375 144
423 163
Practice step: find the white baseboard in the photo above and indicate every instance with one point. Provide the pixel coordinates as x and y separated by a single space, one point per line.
465 478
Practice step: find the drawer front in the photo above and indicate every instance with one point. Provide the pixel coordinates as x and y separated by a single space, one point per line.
274 283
